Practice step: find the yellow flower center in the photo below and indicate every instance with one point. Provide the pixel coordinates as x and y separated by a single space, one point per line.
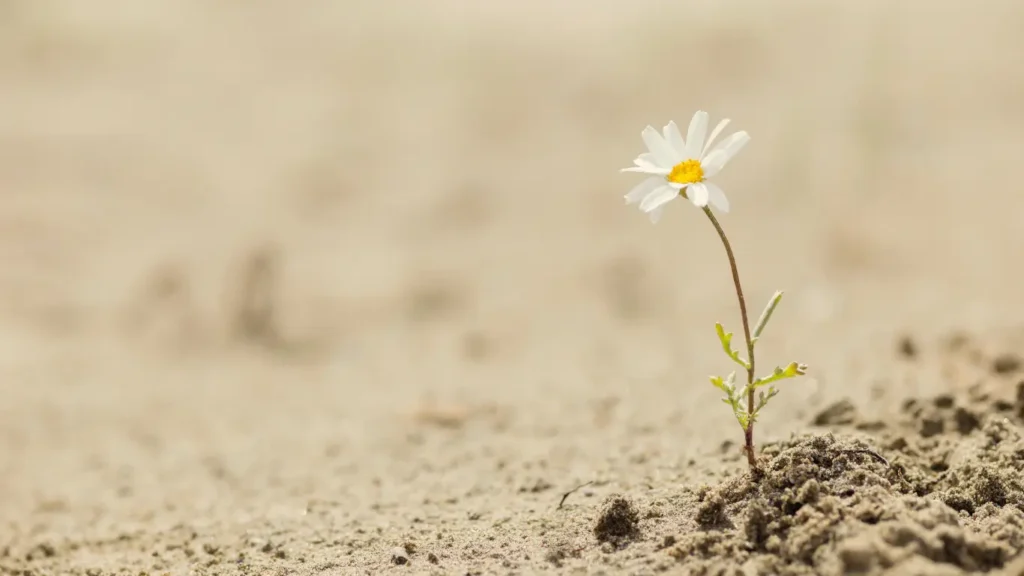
686 172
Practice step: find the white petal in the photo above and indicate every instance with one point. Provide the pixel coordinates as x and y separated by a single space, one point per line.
643 163
659 148
717 197
645 157
695 135
642 189
675 140
659 197
698 194
714 134
647 169
655 214
717 159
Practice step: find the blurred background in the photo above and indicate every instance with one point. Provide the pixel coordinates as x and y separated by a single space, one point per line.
254 253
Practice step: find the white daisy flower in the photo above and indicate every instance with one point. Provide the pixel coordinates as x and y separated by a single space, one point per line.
681 167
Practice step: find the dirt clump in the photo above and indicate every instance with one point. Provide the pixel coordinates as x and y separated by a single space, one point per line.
712 511
839 413
837 506
939 489
618 521
1006 364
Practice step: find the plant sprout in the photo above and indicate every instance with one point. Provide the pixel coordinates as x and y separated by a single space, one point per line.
680 168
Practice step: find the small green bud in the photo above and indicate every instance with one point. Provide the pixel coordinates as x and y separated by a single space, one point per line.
794 369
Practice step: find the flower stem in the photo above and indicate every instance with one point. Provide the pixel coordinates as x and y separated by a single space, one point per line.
748 433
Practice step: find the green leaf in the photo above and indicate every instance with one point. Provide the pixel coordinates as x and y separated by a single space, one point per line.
726 384
743 418
766 315
792 370
726 339
763 398
742 394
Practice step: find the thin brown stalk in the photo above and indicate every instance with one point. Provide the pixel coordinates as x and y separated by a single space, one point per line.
748 433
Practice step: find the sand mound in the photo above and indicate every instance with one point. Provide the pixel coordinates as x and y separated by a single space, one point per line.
938 491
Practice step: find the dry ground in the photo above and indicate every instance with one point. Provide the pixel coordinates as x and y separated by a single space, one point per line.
287 286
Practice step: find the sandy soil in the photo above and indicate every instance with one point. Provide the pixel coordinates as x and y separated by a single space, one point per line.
348 288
